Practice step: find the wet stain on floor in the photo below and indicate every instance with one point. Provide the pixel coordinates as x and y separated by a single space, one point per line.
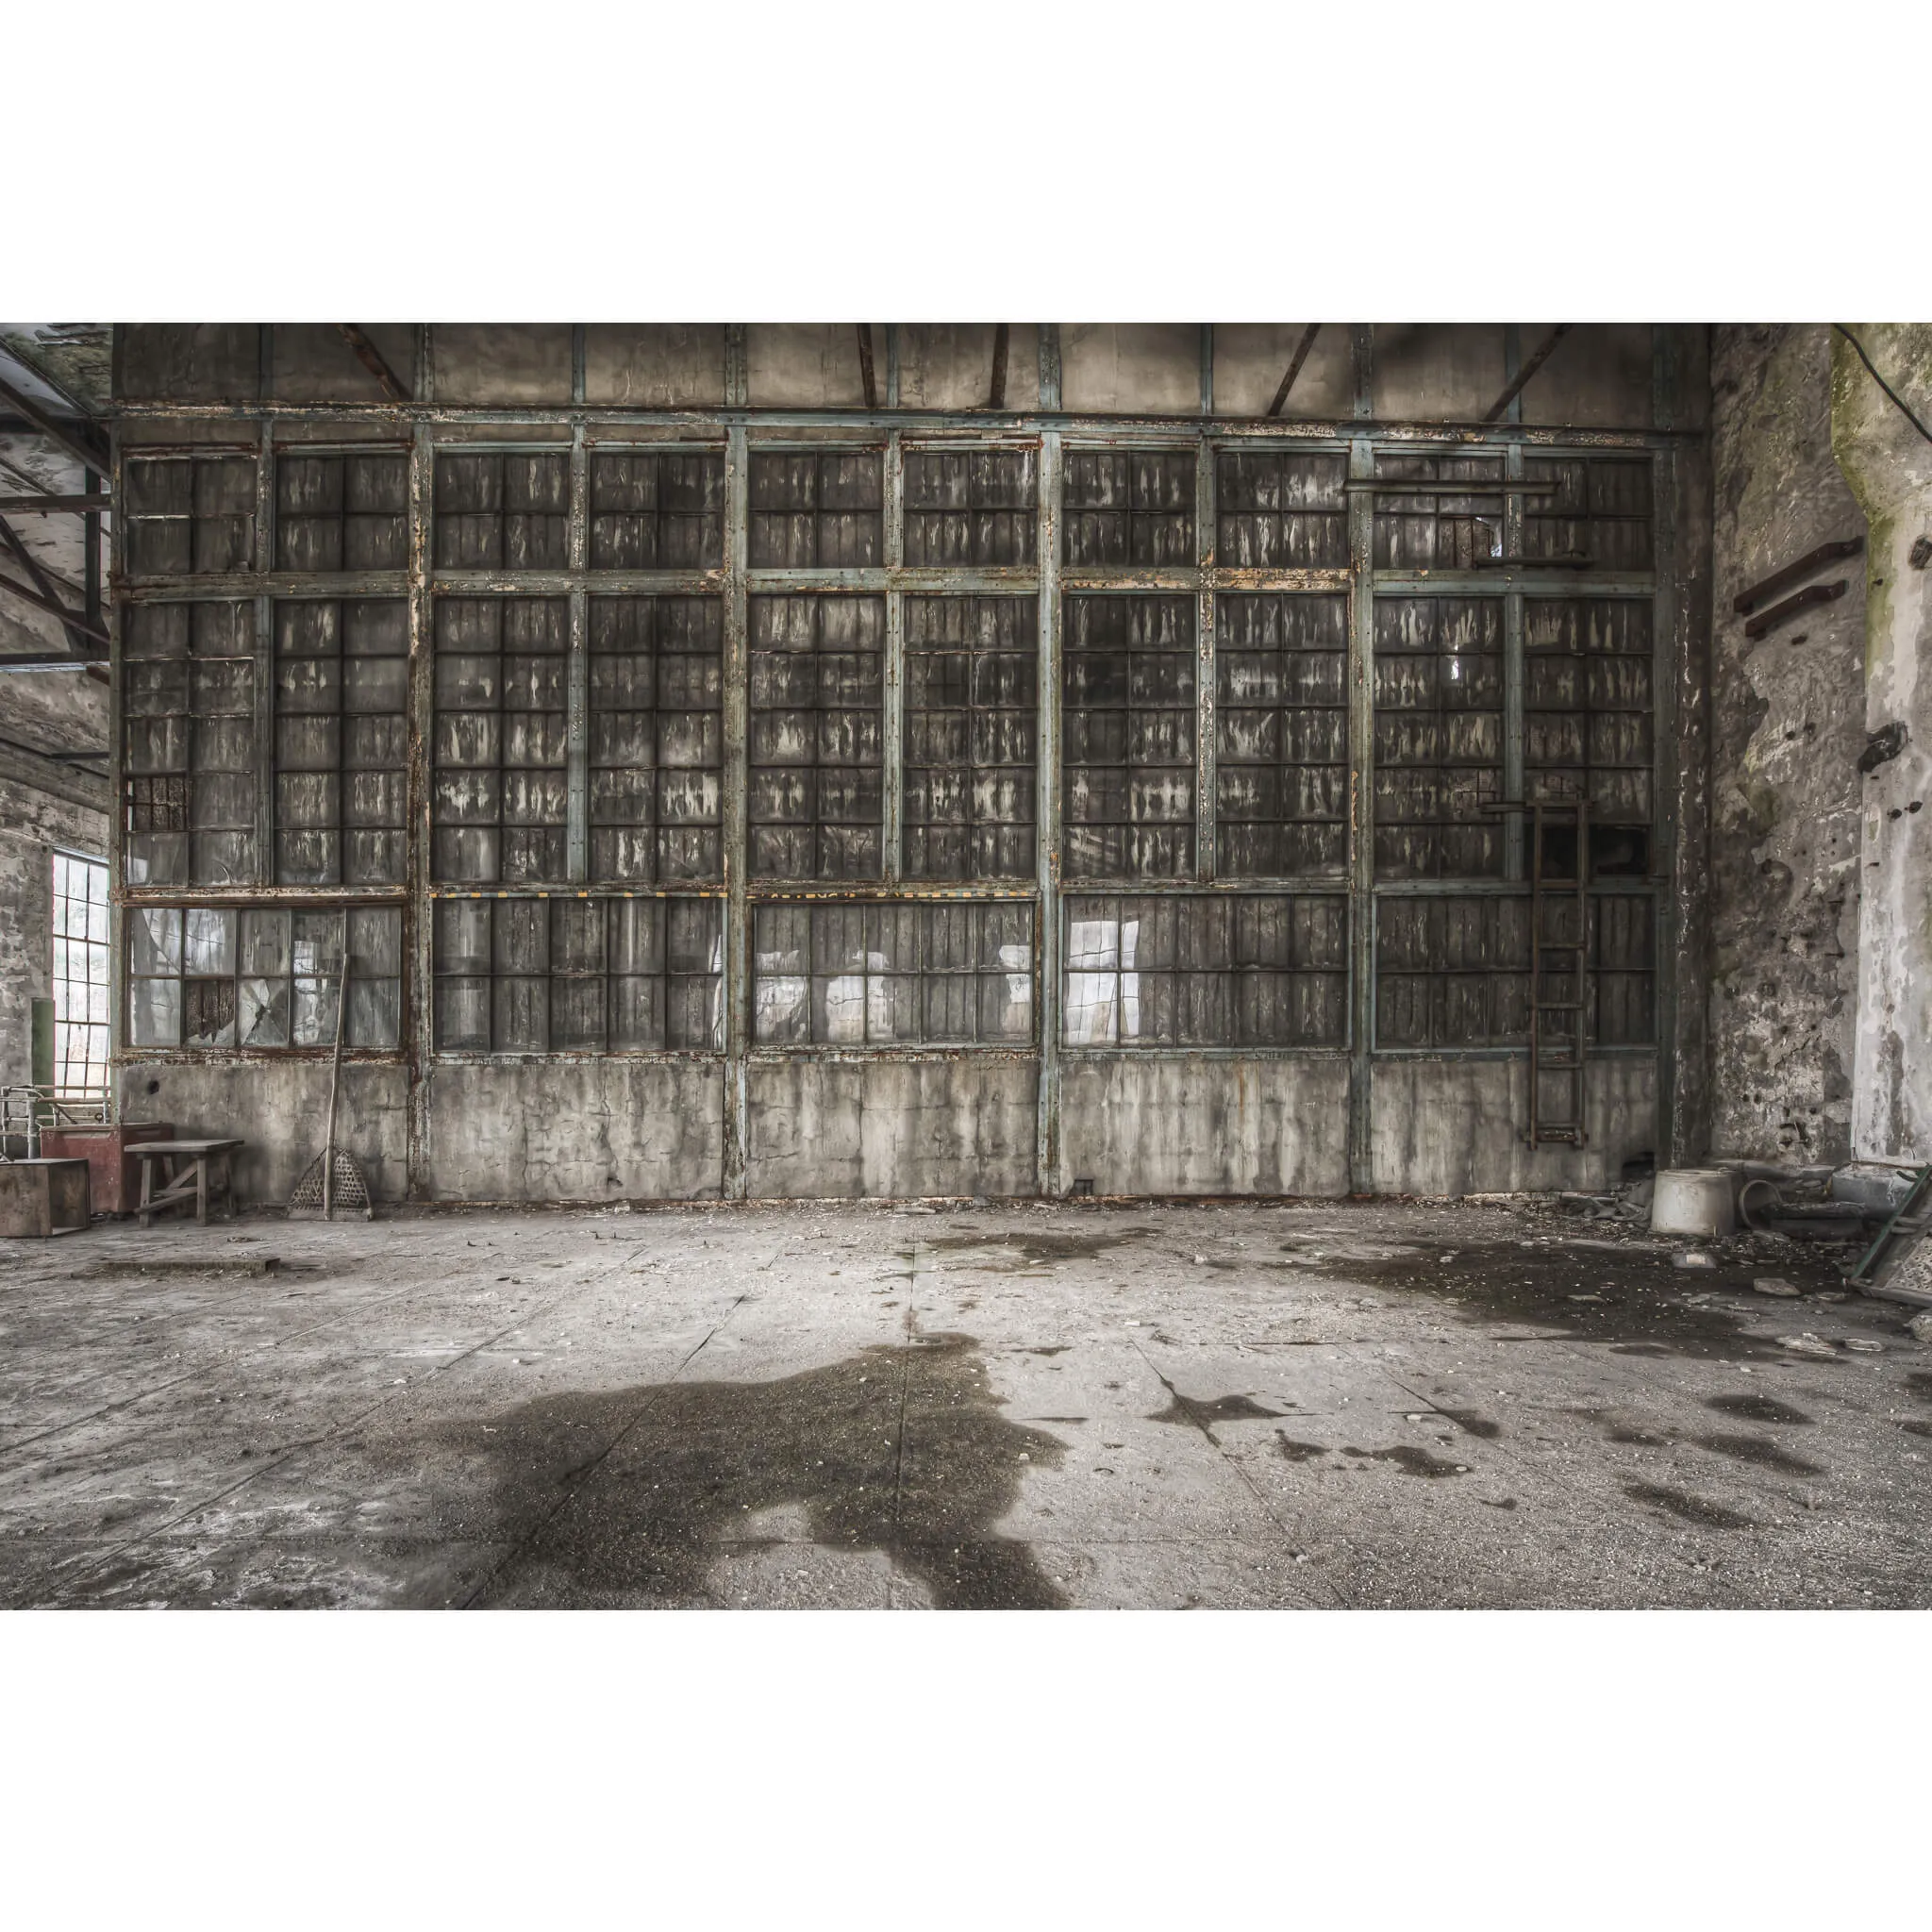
1297 1452
1470 1424
1201 1412
1760 1450
1687 1508
1643 1310
1758 1409
631 1496
1920 1383
1037 1248
1412 1461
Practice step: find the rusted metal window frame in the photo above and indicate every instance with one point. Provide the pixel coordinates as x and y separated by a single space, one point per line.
427 428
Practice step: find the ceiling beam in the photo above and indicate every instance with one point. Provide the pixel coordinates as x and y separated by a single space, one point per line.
372 360
56 506
71 618
75 438
43 582
1294 368
1543 352
866 375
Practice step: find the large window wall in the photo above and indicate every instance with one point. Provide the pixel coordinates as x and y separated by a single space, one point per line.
751 738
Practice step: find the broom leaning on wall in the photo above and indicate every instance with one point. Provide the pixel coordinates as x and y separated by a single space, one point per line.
332 1180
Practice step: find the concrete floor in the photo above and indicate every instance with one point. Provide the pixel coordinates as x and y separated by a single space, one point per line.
772 1407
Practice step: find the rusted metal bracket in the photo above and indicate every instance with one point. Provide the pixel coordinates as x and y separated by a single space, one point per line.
371 358
998 399
1294 367
1795 573
1538 357
71 437
866 374
1818 593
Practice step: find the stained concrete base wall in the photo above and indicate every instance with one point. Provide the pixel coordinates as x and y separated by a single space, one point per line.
1455 1127
1207 1126
611 1131
885 1128
281 1112
584 1130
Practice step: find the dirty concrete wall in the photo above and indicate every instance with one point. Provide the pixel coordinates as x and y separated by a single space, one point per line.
1174 1125
1887 462
949 1126
280 1110
1455 1127
575 1130
1786 727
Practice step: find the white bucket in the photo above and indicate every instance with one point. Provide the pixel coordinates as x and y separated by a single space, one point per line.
1694 1200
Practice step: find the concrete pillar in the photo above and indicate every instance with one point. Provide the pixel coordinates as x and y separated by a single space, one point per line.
1889 465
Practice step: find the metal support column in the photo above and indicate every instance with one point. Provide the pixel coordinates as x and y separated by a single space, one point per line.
577 727
1513 669
1206 866
738 934
1362 363
263 562
737 377
1670 673
1050 365
893 747
418 914
1361 818
1048 1164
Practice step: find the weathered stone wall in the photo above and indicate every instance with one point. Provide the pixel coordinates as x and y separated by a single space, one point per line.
1889 465
1788 724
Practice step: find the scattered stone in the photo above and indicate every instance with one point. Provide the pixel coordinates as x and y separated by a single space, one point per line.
1774 1284
1920 1326
1692 1257
1808 1343
1200 1260
1586 1298
1863 1344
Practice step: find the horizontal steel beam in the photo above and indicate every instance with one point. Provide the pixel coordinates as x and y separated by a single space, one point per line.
56 506
976 423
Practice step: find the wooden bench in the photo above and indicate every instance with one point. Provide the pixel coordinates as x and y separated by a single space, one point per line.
186 1176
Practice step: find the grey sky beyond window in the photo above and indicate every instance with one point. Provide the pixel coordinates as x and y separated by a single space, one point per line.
80 977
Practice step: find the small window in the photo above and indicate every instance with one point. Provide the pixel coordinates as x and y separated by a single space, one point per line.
80 976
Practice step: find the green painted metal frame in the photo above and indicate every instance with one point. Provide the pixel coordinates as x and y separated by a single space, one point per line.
423 428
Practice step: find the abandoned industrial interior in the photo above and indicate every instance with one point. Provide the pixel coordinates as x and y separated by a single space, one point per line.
1009 965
